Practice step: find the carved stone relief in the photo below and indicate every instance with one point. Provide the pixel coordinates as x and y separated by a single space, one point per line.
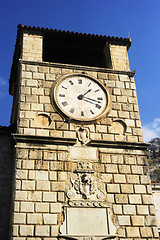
84 185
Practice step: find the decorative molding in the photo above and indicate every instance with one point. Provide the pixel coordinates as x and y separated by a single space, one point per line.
78 67
118 144
43 140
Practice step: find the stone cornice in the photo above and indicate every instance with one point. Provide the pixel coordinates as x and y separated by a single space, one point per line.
116 144
43 140
78 67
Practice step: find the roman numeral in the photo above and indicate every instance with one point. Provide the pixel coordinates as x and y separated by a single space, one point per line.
82 113
97 106
89 84
72 110
99 98
91 111
96 90
70 81
64 87
80 81
64 103
61 95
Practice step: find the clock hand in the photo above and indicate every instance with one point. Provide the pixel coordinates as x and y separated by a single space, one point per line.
80 97
91 99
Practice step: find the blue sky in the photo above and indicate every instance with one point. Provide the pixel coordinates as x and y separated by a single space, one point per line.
137 19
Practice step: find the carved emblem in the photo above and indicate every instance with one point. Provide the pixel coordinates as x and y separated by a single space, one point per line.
84 186
83 135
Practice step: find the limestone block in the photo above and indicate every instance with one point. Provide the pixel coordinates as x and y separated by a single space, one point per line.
126 188
140 188
19 218
30 114
147 199
43 185
105 158
133 179
101 128
146 232
21 174
62 176
34 154
41 175
129 209
110 198
27 207
113 188
124 169
54 231
117 159
42 231
24 106
106 178
37 106
58 186
57 166
34 218
25 90
26 74
37 91
123 114
49 196
111 168
55 70
124 220
37 75
150 221
121 198
142 210
31 98
124 78
56 207
130 160
102 75
61 197
21 195
119 85
133 232
50 77
53 176
32 83
50 218
31 68
135 199
29 131
137 220
28 164
42 207
128 107
137 169
34 196
117 209
119 178
112 76
43 69
26 230
28 185
116 91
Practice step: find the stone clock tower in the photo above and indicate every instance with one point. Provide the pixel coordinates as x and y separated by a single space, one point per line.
80 161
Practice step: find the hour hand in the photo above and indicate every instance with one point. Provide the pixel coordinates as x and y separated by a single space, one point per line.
81 96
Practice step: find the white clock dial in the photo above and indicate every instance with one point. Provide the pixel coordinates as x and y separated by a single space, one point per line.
80 97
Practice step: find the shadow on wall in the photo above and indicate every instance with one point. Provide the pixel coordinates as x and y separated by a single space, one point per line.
6 181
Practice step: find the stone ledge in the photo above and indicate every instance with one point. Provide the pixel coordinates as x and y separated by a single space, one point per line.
78 67
116 144
43 140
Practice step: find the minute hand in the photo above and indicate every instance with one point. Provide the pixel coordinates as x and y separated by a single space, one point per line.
92 99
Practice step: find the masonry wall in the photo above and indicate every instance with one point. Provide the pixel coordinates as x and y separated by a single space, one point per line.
44 168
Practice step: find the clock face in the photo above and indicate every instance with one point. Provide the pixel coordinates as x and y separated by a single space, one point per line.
80 97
